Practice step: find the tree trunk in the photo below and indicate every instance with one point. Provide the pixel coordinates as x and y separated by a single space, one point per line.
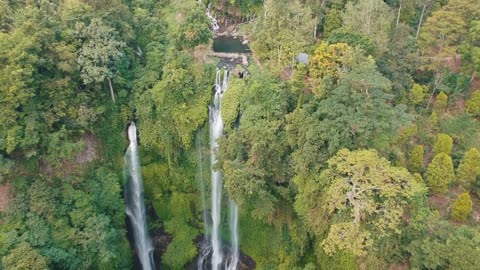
111 89
438 80
399 11
421 18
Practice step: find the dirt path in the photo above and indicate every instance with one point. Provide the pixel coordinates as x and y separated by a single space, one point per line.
6 195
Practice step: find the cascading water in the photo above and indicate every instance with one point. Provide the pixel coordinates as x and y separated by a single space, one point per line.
213 20
135 205
216 130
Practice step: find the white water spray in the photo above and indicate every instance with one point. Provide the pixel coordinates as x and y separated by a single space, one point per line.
135 205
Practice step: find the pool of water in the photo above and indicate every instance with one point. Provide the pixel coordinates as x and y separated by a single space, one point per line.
229 45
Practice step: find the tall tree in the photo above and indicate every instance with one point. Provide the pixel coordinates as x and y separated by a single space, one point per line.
99 52
283 32
373 18
440 173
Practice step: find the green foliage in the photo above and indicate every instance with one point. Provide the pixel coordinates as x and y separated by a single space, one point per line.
75 223
99 53
440 173
443 144
177 103
231 102
353 39
333 21
372 18
445 246
469 169
257 240
462 207
6 167
415 161
182 249
338 261
470 50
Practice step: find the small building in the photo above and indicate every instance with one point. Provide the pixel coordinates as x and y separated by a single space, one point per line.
302 58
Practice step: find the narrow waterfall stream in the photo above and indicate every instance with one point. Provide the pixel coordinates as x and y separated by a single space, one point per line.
216 131
135 204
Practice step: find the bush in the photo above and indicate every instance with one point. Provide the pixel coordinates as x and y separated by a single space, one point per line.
416 159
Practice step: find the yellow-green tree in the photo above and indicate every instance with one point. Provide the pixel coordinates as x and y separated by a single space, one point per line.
361 195
440 173
462 207
440 103
416 158
444 144
24 257
469 168
473 104
417 94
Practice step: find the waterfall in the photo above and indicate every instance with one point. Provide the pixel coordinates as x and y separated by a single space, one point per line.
216 131
135 205
205 249
213 20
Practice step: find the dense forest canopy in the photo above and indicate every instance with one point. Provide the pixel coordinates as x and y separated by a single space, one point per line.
365 156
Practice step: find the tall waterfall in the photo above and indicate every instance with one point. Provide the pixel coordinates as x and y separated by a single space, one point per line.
216 130
135 204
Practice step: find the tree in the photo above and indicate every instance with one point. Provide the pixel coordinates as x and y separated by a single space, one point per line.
99 53
333 21
370 17
417 94
469 169
440 103
444 144
440 173
462 207
473 104
361 195
470 49
283 31
24 257
415 162
441 35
